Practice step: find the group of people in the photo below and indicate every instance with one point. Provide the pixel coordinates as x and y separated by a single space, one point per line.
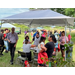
8 41
39 41
3 41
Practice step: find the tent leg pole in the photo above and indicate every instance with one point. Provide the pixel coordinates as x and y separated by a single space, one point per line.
65 37
30 26
70 32
65 43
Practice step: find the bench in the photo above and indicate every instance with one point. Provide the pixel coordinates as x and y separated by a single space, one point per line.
35 57
20 58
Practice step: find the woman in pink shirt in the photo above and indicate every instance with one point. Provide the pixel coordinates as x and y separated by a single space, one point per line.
62 42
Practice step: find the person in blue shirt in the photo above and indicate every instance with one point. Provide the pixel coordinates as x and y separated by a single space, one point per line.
60 34
56 44
35 34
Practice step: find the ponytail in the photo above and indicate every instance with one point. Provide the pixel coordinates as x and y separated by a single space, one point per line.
26 41
42 38
53 38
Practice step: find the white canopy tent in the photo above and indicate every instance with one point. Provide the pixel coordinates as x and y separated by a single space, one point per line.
7 25
41 17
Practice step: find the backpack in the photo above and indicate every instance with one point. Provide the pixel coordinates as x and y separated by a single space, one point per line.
26 63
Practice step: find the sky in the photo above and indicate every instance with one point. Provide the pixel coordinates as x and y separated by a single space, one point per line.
5 12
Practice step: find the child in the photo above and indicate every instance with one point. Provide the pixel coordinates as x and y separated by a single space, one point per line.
26 49
27 37
42 52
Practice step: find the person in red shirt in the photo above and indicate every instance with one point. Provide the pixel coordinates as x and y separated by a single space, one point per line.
69 37
5 40
45 33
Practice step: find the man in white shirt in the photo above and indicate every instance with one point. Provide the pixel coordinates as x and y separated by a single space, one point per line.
12 39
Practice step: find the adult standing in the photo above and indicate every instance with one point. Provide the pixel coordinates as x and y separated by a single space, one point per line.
56 44
5 40
45 33
8 31
35 34
12 39
36 39
25 32
50 32
32 35
56 34
60 34
8 42
50 45
1 41
62 43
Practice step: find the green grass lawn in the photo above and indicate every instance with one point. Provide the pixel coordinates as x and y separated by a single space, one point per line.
5 59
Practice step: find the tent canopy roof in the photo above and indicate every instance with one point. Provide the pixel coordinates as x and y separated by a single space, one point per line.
7 25
45 17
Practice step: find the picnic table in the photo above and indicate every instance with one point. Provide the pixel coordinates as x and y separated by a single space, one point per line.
36 49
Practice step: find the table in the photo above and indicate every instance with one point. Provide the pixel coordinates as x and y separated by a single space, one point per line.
36 49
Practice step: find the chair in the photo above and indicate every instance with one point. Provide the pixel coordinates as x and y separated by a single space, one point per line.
20 58
35 57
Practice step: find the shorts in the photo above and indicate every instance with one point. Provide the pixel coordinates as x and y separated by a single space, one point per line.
62 47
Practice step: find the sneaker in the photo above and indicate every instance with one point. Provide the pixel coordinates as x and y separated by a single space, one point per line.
1 54
6 51
11 63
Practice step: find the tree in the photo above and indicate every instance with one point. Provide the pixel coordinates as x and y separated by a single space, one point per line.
64 11
70 12
59 10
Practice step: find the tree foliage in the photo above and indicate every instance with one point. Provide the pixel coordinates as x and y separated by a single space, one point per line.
64 11
70 12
